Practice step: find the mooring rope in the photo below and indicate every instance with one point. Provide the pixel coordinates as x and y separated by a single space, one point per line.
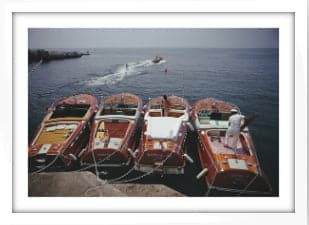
99 162
48 165
36 66
248 185
147 173
124 175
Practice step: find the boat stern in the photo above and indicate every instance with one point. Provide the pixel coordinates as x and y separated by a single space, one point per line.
105 157
239 182
44 157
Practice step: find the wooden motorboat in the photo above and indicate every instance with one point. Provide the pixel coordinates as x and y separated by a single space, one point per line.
162 144
157 59
113 134
226 170
63 133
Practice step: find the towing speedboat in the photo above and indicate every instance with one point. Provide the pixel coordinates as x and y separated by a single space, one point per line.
157 59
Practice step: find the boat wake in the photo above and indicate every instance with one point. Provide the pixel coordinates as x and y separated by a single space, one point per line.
36 65
123 71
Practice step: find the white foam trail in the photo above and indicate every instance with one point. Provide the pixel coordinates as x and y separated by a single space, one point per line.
161 62
134 68
37 65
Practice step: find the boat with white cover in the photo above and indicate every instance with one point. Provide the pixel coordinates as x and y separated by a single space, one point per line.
162 143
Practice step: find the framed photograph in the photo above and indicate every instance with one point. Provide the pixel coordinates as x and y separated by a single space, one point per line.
183 112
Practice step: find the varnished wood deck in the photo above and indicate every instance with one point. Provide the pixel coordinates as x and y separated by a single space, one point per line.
57 136
125 98
210 104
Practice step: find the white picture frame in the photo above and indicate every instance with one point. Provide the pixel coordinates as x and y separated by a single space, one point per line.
289 15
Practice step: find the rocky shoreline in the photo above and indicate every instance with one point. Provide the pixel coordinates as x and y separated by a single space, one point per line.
46 56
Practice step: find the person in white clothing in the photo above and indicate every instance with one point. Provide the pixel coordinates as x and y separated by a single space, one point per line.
233 131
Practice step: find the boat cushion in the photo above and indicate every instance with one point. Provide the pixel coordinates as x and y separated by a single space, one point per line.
44 149
114 143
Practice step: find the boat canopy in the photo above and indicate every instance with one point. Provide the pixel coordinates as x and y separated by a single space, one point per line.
163 127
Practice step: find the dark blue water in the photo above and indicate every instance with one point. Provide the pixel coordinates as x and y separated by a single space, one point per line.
247 77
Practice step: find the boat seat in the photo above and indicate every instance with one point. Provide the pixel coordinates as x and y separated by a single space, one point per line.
214 135
204 121
119 112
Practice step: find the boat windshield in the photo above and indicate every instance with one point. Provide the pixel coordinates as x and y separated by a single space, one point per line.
176 107
63 111
119 109
158 106
213 115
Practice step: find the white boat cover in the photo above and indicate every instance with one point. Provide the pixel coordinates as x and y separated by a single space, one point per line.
163 127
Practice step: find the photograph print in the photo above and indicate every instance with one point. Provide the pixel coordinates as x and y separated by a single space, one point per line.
156 112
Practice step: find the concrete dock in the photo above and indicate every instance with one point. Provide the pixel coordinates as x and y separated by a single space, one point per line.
86 184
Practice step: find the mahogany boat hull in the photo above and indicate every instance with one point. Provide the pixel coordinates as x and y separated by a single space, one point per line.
62 134
57 160
106 158
162 144
161 160
232 181
110 157
229 171
114 132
